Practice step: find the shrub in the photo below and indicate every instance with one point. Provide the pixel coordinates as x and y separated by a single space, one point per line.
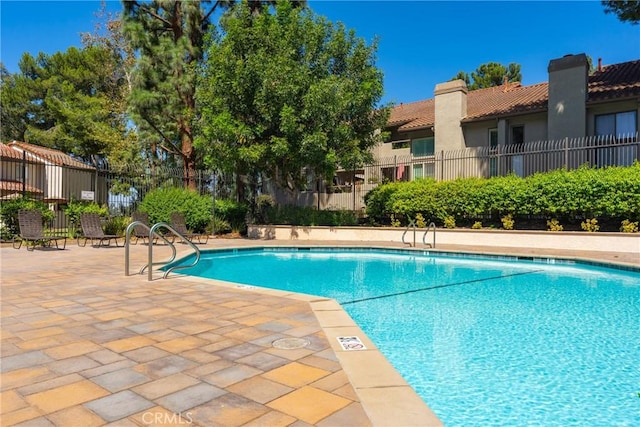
378 202
9 214
264 202
629 227
420 221
554 225
161 202
75 208
220 226
449 222
477 225
612 192
394 222
117 225
308 216
590 225
234 213
507 222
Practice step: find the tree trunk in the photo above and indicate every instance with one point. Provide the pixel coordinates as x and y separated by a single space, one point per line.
189 162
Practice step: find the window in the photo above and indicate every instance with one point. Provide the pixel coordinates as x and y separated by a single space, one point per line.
618 124
493 138
423 170
517 134
423 147
417 171
400 144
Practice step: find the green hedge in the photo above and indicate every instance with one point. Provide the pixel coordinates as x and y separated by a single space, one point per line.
308 216
197 210
75 208
612 193
160 203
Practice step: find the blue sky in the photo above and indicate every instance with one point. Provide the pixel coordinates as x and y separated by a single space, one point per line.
421 43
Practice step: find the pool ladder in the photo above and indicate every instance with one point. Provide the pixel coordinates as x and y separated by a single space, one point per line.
153 233
412 225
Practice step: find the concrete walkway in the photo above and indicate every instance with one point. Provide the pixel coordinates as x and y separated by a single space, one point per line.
85 345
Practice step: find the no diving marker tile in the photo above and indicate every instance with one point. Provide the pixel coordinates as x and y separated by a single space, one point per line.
351 343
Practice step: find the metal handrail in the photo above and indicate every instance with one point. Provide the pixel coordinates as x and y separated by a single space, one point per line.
152 233
413 225
184 239
127 242
424 236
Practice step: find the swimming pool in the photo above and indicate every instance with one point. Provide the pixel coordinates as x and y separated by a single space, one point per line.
484 341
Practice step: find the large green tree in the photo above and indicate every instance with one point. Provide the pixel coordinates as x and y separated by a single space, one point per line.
625 10
63 101
109 34
489 75
284 90
15 95
168 36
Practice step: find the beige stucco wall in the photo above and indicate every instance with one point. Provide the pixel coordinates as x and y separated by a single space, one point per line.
567 96
535 127
476 134
386 151
611 242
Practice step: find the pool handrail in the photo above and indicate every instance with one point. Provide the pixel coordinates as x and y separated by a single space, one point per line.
153 232
424 236
412 224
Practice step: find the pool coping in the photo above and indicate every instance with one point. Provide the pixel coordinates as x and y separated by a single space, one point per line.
384 394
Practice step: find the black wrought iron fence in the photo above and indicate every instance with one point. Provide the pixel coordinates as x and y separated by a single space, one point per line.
483 162
57 181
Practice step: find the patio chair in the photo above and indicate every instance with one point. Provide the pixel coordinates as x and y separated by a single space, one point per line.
140 232
178 224
92 230
31 231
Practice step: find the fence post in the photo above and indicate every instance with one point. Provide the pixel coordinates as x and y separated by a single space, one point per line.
353 187
566 152
24 173
395 167
213 205
441 165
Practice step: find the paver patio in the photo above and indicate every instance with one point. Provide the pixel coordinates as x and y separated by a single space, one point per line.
85 345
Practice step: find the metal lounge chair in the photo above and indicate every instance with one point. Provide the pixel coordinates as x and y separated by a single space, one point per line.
92 230
31 231
178 224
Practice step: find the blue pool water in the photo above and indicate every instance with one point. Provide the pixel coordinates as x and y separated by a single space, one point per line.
484 341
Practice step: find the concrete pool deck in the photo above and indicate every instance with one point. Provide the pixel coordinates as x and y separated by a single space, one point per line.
83 344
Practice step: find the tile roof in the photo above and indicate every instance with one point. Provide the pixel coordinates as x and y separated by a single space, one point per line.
16 187
56 157
617 81
7 152
413 115
506 100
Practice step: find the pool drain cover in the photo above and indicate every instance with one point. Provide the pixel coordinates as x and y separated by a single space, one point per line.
290 343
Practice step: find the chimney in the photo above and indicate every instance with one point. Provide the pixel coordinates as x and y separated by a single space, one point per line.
599 64
450 109
567 112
